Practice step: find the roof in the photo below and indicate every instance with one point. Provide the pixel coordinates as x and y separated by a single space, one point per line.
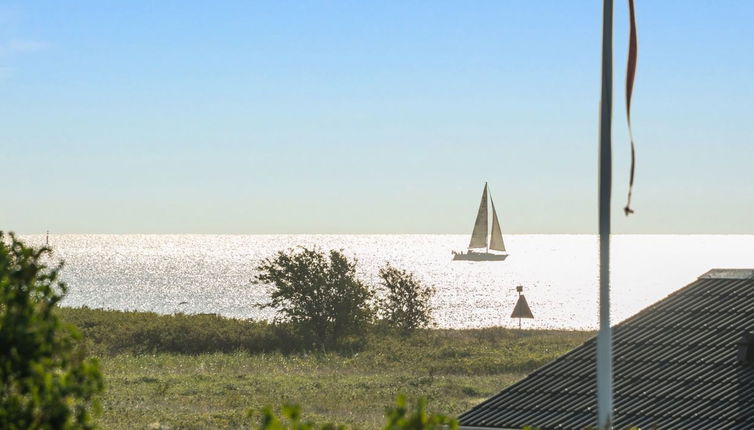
676 366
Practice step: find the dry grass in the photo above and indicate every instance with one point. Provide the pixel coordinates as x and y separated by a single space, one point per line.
453 369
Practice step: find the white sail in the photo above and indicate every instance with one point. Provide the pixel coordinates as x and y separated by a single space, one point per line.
479 235
496 236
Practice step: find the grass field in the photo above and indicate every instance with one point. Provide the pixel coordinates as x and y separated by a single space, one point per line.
206 372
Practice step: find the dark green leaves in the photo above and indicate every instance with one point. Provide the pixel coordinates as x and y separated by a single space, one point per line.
47 383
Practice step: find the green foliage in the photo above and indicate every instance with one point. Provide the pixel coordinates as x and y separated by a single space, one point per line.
47 382
398 417
318 293
406 305
401 417
291 420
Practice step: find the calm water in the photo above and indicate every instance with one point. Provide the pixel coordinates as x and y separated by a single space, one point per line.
212 273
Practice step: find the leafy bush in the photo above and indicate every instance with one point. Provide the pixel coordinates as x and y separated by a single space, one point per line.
399 417
406 303
47 381
291 420
318 293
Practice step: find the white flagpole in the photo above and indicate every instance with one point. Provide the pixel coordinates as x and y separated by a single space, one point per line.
604 339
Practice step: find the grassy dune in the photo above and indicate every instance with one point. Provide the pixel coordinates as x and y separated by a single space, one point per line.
206 371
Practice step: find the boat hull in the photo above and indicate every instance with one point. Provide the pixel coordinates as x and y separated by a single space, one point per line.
479 256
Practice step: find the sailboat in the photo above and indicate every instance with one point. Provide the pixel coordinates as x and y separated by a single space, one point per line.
479 246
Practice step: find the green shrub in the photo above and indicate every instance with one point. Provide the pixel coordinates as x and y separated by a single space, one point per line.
401 416
291 420
406 305
47 381
318 293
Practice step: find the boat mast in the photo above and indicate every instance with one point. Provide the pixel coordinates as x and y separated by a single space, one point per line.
489 196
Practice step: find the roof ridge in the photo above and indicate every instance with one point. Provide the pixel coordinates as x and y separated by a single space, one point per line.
729 274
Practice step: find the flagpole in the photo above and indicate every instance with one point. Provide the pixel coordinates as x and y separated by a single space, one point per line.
604 339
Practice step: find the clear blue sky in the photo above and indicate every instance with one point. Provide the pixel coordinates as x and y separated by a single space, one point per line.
367 116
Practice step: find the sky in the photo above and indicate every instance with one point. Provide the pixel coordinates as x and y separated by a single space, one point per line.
369 116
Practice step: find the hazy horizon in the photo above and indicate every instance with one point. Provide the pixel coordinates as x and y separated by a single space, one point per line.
368 117
41 235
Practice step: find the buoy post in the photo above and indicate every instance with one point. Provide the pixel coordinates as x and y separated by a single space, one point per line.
521 310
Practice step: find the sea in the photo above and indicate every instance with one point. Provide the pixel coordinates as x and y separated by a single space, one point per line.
194 274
